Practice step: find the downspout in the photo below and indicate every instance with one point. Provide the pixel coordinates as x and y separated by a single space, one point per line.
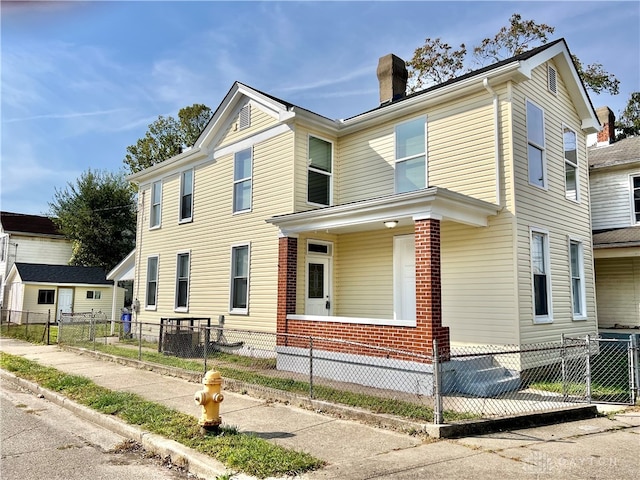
496 138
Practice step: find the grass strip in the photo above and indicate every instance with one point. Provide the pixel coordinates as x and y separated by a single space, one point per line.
241 452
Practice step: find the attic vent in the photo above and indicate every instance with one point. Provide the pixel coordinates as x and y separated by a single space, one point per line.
552 78
245 117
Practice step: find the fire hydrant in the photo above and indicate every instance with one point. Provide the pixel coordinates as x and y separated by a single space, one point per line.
210 397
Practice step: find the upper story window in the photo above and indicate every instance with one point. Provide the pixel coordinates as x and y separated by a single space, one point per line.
244 119
319 171
186 196
541 277
242 173
410 166
240 279
46 297
156 204
152 282
635 198
577 279
535 140
182 281
3 247
570 163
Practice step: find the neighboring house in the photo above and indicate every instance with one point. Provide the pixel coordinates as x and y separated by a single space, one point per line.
615 210
460 213
42 288
29 239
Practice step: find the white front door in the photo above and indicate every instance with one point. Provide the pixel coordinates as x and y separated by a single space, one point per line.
404 278
318 297
65 301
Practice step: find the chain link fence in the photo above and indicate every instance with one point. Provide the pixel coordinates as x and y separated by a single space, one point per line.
30 326
471 382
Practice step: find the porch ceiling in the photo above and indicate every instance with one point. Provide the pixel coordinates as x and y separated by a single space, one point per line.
405 208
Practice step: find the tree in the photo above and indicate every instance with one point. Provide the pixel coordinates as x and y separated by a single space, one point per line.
98 214
167 137
628 125
435 62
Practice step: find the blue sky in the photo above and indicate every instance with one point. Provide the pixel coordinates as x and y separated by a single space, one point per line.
82 81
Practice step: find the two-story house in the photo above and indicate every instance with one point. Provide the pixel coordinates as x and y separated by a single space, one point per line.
460 213
615 210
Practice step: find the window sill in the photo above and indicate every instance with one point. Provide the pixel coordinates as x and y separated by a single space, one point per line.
542 320
239 311
580 318
242 211
185 220
181 309
539 187
157 227
151 308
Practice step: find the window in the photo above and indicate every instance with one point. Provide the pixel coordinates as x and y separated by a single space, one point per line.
244 120
182 281
552 80
242 181
46 297
319 172
411 173
152 282
240 279
541 278
570 163
535 139
577 279
636 198
94 294
186 196
156 204
3 246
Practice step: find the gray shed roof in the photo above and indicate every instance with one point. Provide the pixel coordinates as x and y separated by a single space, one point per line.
43 273
617 237
622 152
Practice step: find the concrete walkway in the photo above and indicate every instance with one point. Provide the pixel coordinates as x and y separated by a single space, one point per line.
594 448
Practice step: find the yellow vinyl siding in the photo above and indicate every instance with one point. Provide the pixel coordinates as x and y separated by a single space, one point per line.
30 299
550 210
260 121
83 304
215 228
618 291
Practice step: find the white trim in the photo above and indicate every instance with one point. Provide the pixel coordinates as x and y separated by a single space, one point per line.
242 180
576 165
188 219
542 148
232 310
249 142
396 161
154 306
185 308
152 204
583 295
316 170
355 320
548 318
632 203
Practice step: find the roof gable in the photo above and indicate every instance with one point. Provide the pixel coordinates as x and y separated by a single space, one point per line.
29 224
66 274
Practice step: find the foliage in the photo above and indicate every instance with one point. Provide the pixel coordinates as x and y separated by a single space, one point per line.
628 125
436 62
167 137
244 452
97 213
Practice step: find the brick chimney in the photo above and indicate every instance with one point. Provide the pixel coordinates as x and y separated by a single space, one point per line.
607 119
392 75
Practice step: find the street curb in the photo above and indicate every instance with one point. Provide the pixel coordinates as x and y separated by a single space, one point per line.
471 427
195 462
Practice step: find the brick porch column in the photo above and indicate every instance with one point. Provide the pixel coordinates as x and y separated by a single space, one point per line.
287 279
429 286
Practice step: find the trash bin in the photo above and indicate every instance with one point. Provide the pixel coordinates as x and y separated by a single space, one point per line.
126 321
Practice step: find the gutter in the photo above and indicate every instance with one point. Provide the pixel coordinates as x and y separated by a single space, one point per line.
496 138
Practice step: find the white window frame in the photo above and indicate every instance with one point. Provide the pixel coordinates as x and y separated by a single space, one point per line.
188 219
176 307
568 162
234 310
93 295
582 315
148 306
310 168
399 160
3 247
537 146
548 317
635 214
153 205
242 180
45 302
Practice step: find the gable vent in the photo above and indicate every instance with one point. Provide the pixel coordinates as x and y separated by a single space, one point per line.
245 117
552 78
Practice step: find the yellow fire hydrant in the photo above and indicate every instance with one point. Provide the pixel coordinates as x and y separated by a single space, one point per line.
210 397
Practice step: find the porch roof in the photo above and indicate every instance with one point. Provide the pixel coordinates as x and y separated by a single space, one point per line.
405 208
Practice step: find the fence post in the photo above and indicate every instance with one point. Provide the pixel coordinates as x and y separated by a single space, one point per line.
311 367
140 341
49 327
26 328
563 363
207 334
633 368
437 386
587 368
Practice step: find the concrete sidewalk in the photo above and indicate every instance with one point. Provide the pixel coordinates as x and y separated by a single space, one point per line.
595 448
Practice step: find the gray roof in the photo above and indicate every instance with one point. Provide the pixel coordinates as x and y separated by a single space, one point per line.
622 152
42 273
617 237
